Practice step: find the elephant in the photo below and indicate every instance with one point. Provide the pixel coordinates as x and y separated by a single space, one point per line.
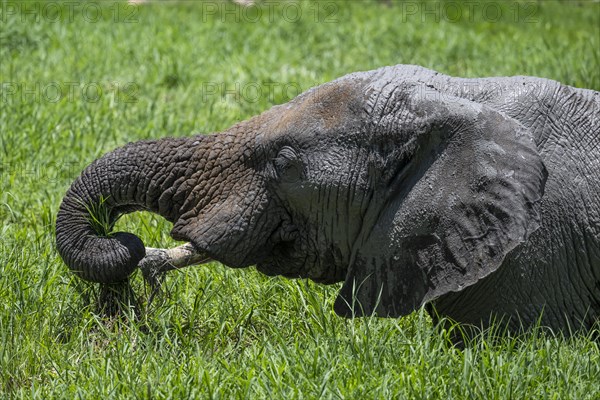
476 198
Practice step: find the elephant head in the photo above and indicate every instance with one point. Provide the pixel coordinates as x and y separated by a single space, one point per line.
402 192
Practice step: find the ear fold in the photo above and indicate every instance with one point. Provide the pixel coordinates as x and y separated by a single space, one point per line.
467 197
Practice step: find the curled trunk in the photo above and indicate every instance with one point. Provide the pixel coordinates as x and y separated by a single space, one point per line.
147 175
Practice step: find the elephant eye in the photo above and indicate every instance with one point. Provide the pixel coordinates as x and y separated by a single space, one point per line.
288 165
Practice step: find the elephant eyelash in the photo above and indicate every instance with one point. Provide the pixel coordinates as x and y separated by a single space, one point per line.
288 165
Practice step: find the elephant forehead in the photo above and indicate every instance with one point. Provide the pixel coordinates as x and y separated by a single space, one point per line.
320 110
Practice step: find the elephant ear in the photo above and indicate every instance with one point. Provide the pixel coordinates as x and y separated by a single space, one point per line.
466 197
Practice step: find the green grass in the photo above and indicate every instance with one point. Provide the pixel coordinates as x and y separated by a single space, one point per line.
155 71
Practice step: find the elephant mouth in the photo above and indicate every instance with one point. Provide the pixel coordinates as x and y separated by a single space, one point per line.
288 260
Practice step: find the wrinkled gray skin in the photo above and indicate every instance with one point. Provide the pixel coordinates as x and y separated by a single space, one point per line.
479 196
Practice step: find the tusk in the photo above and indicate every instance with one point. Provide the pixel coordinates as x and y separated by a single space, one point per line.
158 261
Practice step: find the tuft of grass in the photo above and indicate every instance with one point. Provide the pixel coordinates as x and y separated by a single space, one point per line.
100 218
173 68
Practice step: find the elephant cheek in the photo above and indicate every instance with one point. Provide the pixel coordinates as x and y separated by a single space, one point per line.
266 269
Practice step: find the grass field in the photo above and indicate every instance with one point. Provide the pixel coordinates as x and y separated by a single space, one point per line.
81 78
